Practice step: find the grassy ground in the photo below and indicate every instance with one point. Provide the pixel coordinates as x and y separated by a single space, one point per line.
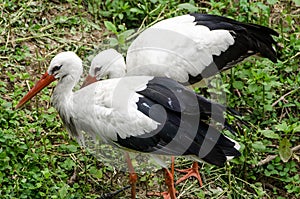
37 158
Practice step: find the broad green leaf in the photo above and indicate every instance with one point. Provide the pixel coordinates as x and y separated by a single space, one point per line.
238 84
124 35
68 164
121 16
282 127
188 6
97 173
127 33
110 26
46 173
121 27
262 6
72 148
63 191
269 134
113 42
136 10
296 129
258 145
285 152
252 88
268 107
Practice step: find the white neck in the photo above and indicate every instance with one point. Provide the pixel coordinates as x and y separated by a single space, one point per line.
62 98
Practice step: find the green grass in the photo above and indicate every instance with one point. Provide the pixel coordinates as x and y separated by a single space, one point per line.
37 158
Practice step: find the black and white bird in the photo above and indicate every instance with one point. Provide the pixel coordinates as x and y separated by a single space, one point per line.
186 49
190 47
112 59
139 113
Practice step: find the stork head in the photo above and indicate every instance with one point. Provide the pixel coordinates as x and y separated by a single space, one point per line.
65 67
107 64
65 64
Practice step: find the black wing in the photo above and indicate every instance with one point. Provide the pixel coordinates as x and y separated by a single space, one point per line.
182 130
249 39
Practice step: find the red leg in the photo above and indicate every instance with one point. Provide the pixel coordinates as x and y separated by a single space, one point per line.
169 178
193 171
132 176
172 165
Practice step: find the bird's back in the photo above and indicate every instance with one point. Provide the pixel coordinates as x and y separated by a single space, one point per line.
190 47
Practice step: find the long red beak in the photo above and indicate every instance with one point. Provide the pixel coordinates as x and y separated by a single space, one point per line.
42 83
88 80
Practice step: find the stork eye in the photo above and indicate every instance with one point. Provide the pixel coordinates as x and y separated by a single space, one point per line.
55 68
97 69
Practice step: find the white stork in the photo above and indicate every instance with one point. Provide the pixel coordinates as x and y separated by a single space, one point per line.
186 48
140 113
112 60
189 47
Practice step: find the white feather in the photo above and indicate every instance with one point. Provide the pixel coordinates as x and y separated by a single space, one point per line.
176 48
110 108
173 48
237 146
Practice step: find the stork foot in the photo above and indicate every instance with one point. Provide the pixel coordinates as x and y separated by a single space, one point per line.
171 193
191 172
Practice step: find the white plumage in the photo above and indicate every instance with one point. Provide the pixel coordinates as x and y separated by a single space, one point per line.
176 48
145 114
109 107
125 110
189 47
